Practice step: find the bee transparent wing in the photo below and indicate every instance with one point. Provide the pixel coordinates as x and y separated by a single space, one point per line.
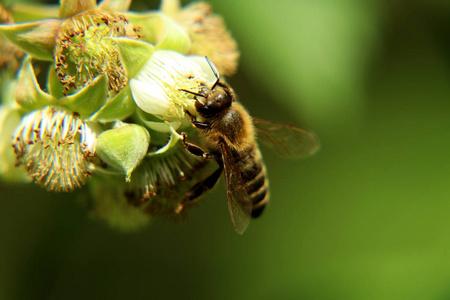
289 141
239 202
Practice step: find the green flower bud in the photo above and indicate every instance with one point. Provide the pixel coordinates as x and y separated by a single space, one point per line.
123 147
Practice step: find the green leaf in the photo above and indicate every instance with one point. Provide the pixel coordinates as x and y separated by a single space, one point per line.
123 147
29 94
70 8
88 100
36 39
117 108
133 54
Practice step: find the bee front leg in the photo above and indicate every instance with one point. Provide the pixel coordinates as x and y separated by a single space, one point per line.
197 124
196 150
200 125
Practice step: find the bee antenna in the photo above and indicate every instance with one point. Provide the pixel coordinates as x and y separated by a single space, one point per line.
215 83
214 72
193 93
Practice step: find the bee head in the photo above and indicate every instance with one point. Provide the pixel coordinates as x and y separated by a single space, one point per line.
217 100
213 100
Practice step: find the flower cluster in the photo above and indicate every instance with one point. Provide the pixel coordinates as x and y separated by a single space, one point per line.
93 99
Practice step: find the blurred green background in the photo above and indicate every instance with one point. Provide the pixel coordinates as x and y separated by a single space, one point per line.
366 218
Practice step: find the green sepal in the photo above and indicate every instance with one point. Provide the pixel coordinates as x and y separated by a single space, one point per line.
70 8
54 85
133 54
9 120
31 12
89 99
29 94
117 108
159 30
176 37
170 7
8 88
155 123
115 5
151 25
36 39
123 148
172 144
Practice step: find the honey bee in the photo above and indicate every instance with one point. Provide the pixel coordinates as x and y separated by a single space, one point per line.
229 136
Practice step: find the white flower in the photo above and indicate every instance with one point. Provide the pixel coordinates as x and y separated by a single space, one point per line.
158 87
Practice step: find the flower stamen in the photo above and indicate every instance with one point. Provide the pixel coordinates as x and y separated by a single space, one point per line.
82 52
55 147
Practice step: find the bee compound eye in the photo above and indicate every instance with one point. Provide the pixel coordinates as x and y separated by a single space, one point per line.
204 110
222 101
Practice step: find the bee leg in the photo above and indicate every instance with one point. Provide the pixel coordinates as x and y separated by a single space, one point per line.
193 118
197 190
196 150
197 124
200 125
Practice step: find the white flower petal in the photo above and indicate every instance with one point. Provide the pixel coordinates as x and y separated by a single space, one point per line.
158 87
149 96
208 70
163 127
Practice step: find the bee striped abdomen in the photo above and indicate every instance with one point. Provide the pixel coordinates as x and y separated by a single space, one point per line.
253 173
